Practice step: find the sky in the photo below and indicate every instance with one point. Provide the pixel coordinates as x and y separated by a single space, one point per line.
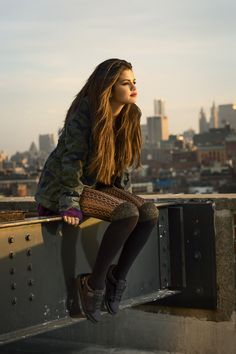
182 51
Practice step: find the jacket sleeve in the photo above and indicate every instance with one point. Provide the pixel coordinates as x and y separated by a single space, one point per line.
76 138
124 181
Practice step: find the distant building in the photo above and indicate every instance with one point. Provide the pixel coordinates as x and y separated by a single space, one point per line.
227 114
157 127
33 151
211 145
213 136
213 116
144 133
3 158
207 155
230 143
46 144
188 135
159 108
203 125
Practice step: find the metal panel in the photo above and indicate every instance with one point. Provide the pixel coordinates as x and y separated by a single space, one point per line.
39 260
195 226
164 250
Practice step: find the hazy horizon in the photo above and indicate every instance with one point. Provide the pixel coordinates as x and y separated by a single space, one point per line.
182 52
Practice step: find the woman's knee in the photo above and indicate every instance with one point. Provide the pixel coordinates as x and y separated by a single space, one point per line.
125 210
148 211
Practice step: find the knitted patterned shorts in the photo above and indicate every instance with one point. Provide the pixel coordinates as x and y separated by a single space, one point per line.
100 202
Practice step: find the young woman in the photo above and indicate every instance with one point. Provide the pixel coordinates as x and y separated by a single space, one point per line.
88 174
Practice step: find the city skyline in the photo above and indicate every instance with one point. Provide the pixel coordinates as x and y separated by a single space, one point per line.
181 52
202 114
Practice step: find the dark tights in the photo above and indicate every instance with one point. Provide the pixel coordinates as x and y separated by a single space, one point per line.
128 232
131 222
114 237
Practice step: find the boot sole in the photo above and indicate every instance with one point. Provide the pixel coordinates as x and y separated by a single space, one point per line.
109 309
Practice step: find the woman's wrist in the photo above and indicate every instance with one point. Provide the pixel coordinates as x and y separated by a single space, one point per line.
72 212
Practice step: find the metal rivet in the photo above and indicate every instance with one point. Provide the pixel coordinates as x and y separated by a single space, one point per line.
12 270
199 291
197 255
14 301
12 255
29 252
30 267
13 286
11 239
31 297
31 282
28 237
196 233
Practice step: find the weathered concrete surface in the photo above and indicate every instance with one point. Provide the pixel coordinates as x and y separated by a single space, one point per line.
147 331
17 203
56 346
225 262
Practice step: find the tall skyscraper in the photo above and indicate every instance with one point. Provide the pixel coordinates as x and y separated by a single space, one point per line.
157 130
46 143
159 108
227 114
203 125
144 133
213 116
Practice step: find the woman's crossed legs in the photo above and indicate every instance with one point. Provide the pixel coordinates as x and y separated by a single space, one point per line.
131 222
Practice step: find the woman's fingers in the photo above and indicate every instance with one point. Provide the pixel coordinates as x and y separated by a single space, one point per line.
71 220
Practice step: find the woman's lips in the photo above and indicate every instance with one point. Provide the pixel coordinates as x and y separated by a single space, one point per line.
134 94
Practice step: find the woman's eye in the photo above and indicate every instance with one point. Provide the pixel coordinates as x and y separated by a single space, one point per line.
127 83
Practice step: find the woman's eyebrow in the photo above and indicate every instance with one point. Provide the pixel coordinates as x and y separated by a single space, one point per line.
128 80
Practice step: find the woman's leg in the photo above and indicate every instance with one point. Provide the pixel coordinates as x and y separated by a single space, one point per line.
123 217
148 215
136 240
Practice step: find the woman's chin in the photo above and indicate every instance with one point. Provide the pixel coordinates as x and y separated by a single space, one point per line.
133 99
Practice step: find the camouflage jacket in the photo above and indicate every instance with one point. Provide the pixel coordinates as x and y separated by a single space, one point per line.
64 174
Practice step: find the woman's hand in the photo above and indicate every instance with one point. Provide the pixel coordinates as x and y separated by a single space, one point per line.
72 216
71 220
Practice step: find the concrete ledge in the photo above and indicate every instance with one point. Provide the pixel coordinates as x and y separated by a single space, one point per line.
18 203
148 331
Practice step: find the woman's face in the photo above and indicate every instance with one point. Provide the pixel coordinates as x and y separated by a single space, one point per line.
124 90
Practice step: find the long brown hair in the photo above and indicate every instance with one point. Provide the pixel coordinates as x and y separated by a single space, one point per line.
117 141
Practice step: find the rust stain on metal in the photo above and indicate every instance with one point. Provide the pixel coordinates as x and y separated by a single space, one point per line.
12 215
